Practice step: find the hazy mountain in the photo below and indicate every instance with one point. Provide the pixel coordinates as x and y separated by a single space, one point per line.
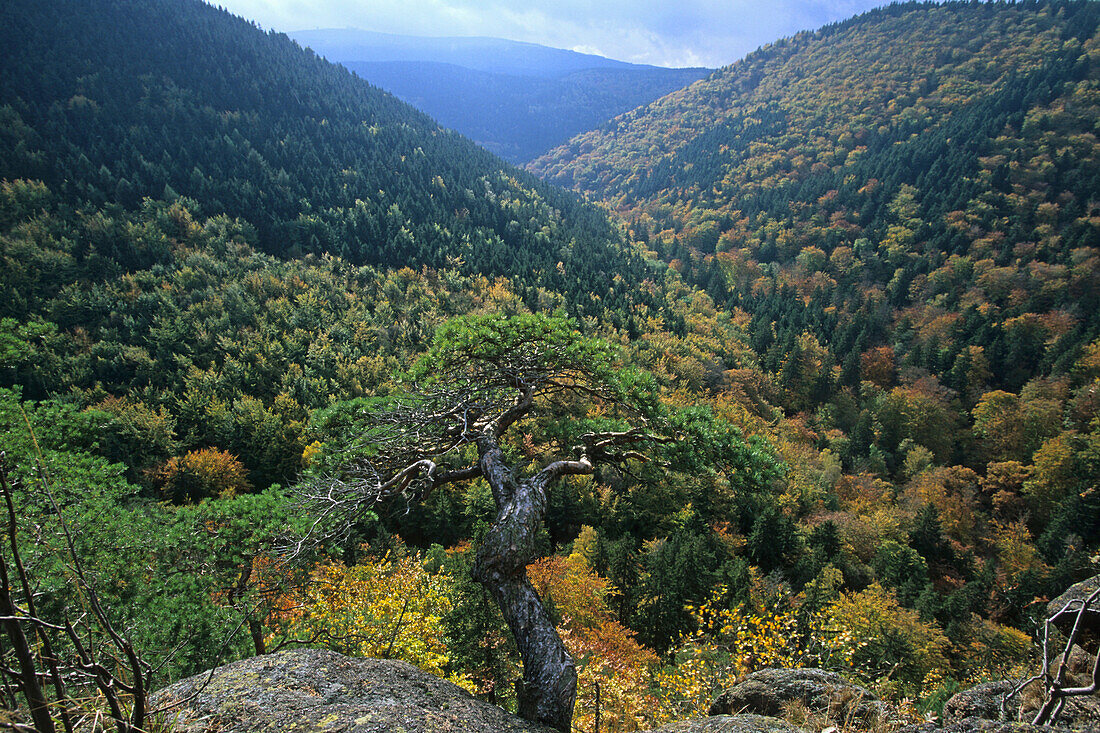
516 99
496 55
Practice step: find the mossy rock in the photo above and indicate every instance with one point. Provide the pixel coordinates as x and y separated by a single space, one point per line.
770 691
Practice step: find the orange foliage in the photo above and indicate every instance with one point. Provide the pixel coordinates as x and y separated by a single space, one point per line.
953 492
1056 474
877 365
1002 486
200 474
863 493
606 652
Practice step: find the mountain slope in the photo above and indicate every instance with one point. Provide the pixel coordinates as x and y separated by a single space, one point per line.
516 99
921 178
112 101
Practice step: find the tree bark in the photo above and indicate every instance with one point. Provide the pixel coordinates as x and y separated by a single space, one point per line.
28 671
549 688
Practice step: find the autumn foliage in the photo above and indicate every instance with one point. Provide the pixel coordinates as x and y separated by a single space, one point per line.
200 474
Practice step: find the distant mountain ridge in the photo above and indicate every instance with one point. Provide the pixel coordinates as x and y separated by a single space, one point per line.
496 55
516 99
520 117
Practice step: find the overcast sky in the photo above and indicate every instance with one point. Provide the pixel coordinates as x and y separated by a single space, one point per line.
662 32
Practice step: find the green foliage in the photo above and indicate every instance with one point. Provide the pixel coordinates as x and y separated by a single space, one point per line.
535 342
773 542
676 572
478 641
893 643
901 568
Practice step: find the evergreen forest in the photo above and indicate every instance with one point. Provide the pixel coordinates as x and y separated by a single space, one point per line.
837 303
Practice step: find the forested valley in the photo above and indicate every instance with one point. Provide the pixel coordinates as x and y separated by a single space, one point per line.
517 100
837 305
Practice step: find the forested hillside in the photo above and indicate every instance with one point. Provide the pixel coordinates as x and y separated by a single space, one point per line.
901 209
855 425
249 125
912 191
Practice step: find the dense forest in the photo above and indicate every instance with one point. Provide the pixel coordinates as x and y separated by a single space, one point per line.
924 203
854 301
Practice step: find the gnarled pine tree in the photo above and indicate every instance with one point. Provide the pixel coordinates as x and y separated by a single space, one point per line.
481 378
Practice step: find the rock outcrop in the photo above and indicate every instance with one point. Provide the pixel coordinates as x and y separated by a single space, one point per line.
730 724
315 690
982 701
1064 609
771 692
980 725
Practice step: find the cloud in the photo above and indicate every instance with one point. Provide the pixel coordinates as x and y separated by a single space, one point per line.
682 33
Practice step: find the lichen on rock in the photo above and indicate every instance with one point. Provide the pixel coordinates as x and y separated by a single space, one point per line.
307 690
770 691
730 724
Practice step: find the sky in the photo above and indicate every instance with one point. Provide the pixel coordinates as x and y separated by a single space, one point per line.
660 32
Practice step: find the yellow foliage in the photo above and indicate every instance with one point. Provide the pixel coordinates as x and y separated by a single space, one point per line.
311 452
585 544
684 690
575 590
388 608
995 651
892 644
1016 554
1055 474
773 629
1089 363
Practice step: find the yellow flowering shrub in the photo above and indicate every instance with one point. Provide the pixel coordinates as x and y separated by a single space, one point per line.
772 629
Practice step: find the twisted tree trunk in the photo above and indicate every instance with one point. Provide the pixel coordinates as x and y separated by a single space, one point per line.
492 371
549 687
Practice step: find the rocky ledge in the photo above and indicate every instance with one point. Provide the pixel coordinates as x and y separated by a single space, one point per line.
980 725
745 723
307 690
311 690
770 691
